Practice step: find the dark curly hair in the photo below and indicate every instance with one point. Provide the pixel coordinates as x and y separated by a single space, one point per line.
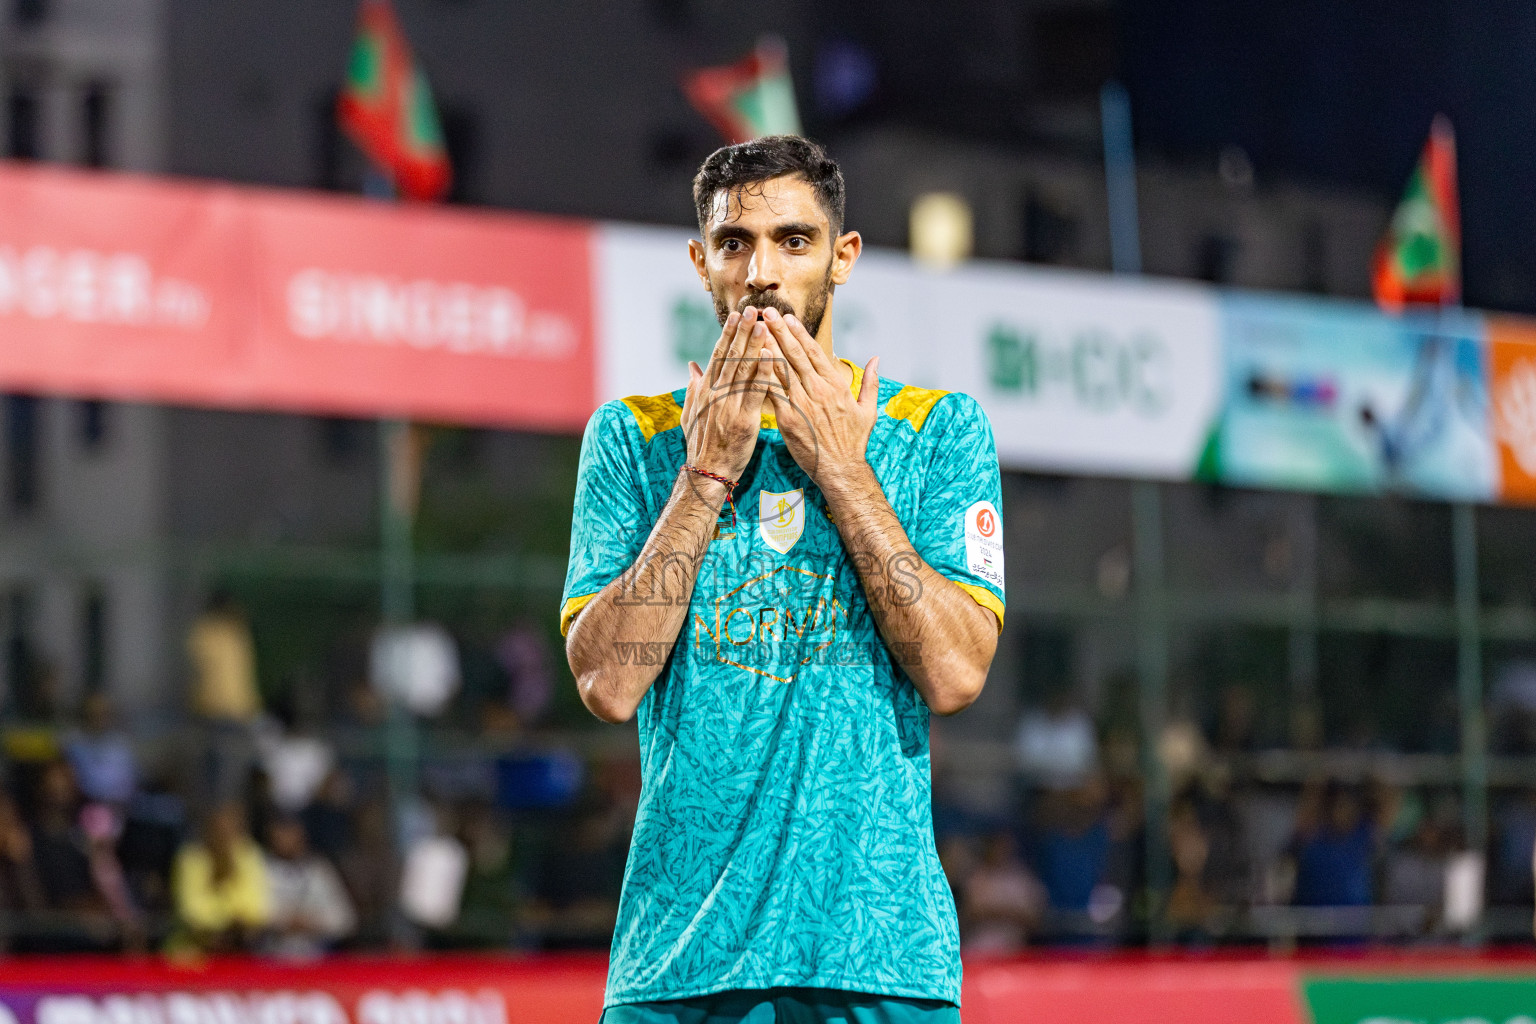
737 168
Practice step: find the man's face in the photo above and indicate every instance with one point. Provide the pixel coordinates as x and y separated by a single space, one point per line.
770 244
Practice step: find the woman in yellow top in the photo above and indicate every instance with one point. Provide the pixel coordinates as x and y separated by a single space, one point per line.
220 887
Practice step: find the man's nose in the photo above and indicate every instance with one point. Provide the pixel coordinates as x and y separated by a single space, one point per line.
763 270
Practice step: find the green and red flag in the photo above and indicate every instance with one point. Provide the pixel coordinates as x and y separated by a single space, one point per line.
1419 260
748 99
387 107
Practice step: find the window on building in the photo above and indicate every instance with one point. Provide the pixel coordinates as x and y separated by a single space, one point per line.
25 136
1216 258
23 461
93 640
28 13
92 416
95 125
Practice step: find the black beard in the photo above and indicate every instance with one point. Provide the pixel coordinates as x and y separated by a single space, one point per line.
815 306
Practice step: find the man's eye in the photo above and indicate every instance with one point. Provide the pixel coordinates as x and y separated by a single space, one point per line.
797 243
731 245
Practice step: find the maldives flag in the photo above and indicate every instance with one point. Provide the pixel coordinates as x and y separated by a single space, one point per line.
1419 260
748 99
387 107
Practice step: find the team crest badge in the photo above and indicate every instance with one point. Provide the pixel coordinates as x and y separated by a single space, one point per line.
781 518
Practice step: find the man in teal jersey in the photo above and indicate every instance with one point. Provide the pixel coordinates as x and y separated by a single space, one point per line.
783 569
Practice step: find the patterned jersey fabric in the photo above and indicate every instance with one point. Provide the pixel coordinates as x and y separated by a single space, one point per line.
785 835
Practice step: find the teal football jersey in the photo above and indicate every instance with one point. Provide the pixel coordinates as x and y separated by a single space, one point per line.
784 835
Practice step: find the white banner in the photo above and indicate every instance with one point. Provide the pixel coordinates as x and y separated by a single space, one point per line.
1078 372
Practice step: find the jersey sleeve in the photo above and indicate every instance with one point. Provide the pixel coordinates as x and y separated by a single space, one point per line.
959 527
609 524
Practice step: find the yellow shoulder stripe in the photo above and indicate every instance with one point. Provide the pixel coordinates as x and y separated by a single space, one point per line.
857 383
985 598
654 414
913 405
571 609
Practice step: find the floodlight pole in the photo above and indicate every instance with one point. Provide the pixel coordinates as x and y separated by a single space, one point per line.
397 576
1147 533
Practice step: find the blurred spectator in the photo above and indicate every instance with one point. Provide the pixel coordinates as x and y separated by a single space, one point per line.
328 818
492 911
1335 850
1056 747
1414 873
1182 750
21 891
153 830
1227 869
1072 841
1237 719
1514 846
523 654
220 887
1512 709
432 876
58 845
1001 900
309 910
102 827
580 881
295 760
224 694
371 870
1191 906
1266 816
101 754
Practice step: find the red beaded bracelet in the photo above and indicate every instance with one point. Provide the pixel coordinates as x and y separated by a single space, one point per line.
730 486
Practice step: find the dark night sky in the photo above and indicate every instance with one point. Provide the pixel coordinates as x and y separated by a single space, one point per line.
1316 91
1343 91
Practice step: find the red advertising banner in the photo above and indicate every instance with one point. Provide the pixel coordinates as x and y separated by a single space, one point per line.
446 990
1383 987
123 287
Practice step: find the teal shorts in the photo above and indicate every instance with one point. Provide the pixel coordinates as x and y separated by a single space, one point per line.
786 1006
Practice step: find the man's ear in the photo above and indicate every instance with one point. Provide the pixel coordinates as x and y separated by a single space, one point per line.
845 253
697 255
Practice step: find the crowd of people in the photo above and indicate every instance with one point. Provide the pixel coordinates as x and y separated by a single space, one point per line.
254 829
1245 859
95 855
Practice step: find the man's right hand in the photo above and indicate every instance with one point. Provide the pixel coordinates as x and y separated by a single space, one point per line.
722 412
721 418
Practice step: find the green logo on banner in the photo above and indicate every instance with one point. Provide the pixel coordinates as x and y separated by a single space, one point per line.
1097 371
1474 1000
694 330
1011 362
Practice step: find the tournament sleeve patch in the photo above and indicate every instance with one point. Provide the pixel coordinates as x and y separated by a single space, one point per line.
984 543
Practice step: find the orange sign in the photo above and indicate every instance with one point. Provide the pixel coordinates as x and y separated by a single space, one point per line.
1512 397
123 287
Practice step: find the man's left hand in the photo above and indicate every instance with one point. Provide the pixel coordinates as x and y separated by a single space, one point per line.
825 428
